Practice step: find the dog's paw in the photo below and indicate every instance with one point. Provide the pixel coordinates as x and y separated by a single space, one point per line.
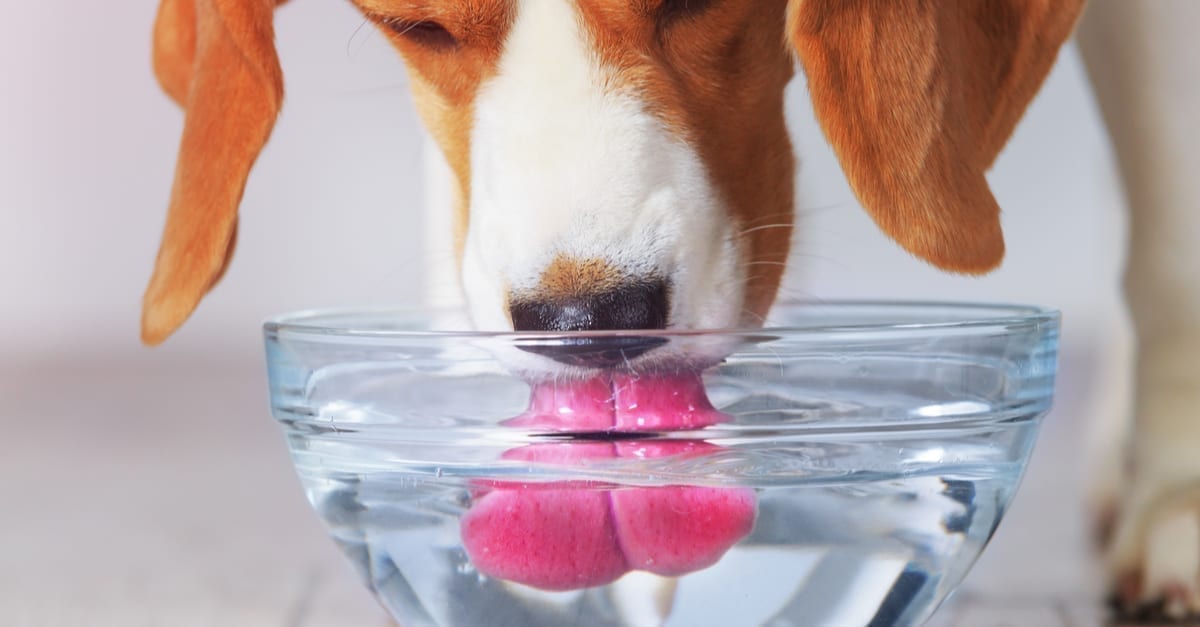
1155 558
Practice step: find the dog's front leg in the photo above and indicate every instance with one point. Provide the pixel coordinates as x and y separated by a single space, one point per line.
1143 61
1155 553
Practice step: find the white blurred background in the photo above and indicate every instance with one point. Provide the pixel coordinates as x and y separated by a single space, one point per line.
136 473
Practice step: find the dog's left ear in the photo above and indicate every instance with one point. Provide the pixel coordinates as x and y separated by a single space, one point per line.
917 98
217 59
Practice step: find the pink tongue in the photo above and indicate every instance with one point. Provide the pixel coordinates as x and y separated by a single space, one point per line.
621 403
570 535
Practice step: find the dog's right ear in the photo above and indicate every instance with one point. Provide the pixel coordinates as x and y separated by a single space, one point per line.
216 58
917 98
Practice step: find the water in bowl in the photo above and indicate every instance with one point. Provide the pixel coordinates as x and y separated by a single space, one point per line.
871 524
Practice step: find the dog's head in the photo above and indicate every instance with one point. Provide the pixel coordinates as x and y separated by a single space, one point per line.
624 164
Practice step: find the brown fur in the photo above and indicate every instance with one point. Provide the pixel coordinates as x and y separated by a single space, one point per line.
443 82
717 77
566 277
217 58
916 96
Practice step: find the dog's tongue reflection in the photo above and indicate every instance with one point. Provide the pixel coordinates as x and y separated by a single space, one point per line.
568 535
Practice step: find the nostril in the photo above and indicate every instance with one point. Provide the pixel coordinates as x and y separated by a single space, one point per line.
592 352
632 306
640 305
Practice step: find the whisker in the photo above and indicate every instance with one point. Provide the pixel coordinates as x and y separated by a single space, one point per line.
408 28
350 42
798 294
761 318
768 216
781 225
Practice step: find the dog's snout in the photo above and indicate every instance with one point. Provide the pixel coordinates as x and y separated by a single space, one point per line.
631 306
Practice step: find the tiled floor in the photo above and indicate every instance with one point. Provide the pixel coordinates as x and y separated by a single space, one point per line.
161 495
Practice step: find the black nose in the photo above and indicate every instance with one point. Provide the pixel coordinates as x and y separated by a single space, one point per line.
632 306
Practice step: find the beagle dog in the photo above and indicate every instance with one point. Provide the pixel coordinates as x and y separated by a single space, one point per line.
624 164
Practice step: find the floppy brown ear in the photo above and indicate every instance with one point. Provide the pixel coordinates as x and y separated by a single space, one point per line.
217 59
917 98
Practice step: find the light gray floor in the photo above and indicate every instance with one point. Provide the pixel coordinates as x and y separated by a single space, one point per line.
153 493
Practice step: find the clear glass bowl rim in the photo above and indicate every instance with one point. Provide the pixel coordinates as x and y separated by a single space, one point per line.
988 317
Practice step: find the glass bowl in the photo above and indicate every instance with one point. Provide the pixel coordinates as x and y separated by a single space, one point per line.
843 465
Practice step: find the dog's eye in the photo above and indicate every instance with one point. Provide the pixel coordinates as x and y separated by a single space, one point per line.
672 10
426 33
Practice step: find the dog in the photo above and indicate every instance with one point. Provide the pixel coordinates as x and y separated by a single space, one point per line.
624 164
